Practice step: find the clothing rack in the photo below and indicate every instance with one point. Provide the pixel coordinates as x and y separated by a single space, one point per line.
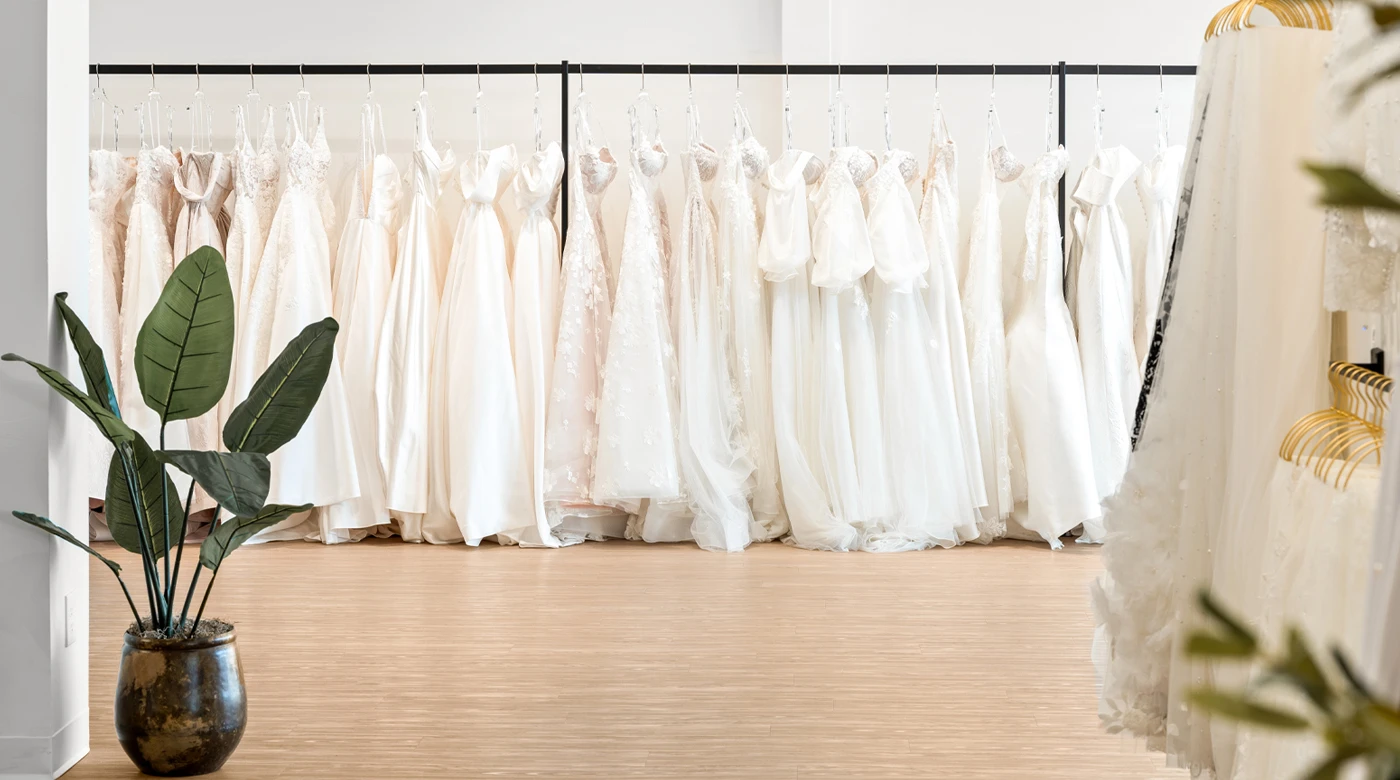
1061 69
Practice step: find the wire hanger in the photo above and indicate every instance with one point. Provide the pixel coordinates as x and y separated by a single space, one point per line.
1050 112
99 96
477 113
1163 110
539 121
303 100
643 100
151 113
693 134
201 118
837 110
1099 109
252 107
787 108
889 132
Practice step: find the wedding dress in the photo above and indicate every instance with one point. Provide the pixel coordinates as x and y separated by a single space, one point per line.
744 320
713 463
637 423
110 177
1158 184
933 503
403 366
318 466
535 281
851 437
255 179
363 272
479 474
986 339
1242 356
938 215
784 254
1104 298
1045 387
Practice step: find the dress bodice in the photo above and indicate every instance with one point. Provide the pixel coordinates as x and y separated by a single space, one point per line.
308 164
1106 176
702 163
896 240
597 169
257 171
840 238
1161 178
385 192
650 160
786 243
537 183
1005 165
486 179
155 175
109 177
204 178
1039 181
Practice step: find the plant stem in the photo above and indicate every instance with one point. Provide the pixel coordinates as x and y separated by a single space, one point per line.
139 625
180 550
165 511
205 600
189 595
147 545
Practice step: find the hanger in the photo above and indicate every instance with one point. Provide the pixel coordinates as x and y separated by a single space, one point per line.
151 107
1050 112
252 108
787 107
693 137
1336 441
1304 14
1163 111
477 113
201 118
1099 109
539 121
303 105
99 96
889 133
741 120
837 109
643 100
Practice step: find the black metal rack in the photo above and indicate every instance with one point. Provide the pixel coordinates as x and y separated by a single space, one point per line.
1061 69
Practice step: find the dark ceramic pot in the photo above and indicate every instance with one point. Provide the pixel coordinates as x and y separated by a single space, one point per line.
180 707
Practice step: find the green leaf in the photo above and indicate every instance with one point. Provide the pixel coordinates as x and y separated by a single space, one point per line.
1331 768
1345 187
1382 724
1210 646
185 346
122 519
111 426
1233 628
231 534
45 524
1353 679
1238 708
237 480
1301 670
285 394
90 358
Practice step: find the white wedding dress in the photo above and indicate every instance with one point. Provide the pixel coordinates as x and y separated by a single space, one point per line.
585 316
363 271
404 364
1158 185
938 215
851 437
744 320
1104 301
479 472
110 178
637 422
986 340
1049 416
928 476
535 321
784 255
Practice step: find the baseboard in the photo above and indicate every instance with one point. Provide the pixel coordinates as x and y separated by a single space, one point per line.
44 758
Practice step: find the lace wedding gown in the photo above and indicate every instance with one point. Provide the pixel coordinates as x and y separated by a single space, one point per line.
363 271
784 254
585 312
318 465
403 366
744 320
1158 186
479 472
535 324
110 177
938 215
986 340
255 178
851 437
933 503
1049 416
1104 299
714 465
637 423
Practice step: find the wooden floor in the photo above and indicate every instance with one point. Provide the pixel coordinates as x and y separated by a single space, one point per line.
387 660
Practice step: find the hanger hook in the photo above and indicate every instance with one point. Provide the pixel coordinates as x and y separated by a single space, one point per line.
537 78
787 76
423 76
644 77
99 77
1098 74
887 80
301 71
198 82
369 80
580 79
689 80
838 78
252 81
1161 78
153 77
737 69
994 81
478 78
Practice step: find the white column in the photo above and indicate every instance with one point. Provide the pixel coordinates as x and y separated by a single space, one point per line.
43 218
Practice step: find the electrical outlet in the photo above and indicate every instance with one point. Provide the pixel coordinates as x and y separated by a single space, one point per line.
70 622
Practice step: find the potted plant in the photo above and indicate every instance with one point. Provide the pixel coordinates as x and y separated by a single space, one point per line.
180 706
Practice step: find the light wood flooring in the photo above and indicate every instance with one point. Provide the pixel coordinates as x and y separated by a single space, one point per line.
387 660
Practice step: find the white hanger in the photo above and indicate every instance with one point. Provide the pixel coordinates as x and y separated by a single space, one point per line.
252 108
692 112
539 122
837 110
1050 112
303 105
201 118
99 96
477 114
889 132
1099 111
1163 110
152 108
787 108
643 100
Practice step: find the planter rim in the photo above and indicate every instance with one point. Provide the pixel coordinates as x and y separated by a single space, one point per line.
179 644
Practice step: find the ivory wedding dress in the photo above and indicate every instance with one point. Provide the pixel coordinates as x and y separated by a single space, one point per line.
851 438
110 178
784 254
938 215
744 320
637 422
535 323
479 471
713 462
1049 416
585 316
318 465
363 271
255 178
1104 298
986 338
403 366
1158 186
933 503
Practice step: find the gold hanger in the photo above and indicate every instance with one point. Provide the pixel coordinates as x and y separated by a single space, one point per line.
1335 442
1302 14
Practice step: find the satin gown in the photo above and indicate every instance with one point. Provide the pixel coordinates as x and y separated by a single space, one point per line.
479 470
402 369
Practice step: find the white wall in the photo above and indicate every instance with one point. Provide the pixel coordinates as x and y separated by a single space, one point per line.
43 214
